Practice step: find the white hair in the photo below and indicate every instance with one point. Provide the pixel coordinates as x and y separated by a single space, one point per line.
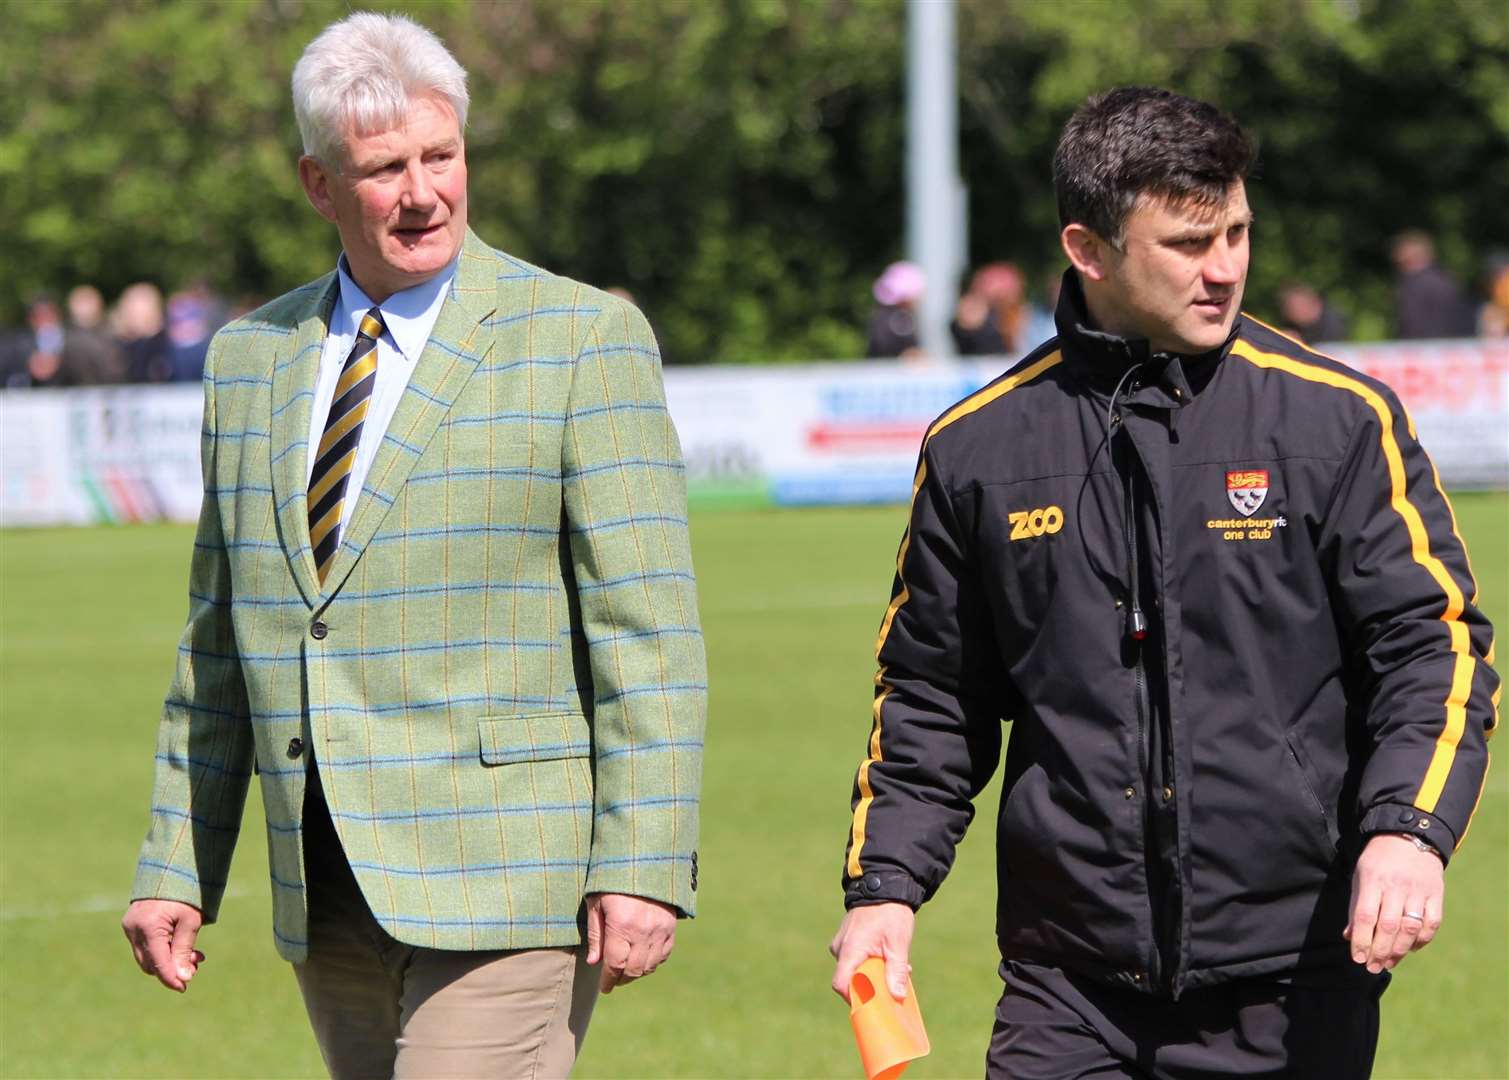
360 75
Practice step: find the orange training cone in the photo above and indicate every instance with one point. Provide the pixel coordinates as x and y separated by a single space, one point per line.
889 1032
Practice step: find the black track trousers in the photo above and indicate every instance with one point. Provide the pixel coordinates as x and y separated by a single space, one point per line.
1053 1025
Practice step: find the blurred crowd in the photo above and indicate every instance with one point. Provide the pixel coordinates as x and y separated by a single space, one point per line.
999 315
142 338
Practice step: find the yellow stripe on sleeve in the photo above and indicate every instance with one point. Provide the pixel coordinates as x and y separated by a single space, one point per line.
973 403
1454 707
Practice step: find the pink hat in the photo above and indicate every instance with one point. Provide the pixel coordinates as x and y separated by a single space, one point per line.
902 283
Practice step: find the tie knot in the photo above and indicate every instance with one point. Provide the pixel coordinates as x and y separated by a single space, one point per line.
372 324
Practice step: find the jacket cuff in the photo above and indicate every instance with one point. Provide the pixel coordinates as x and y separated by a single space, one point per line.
671 880
151 887
883 887
1399 818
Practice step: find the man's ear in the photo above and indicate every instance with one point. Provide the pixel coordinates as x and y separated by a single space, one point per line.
316 180
1089 254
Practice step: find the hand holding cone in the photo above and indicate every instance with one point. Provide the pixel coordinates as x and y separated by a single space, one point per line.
889 1032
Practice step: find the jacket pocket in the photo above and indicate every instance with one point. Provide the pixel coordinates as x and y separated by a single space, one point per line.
1302 767
534 737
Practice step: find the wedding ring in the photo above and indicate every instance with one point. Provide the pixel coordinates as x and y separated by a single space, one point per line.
1415 915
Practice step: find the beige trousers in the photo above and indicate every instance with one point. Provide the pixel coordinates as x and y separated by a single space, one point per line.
381 1008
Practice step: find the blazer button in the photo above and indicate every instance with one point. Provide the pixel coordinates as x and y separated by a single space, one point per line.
295 746
318 630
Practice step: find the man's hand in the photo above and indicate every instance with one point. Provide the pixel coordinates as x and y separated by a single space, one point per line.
1397 896
629 935
161 933
883 930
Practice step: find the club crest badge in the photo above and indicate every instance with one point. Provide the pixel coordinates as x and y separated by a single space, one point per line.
1247 489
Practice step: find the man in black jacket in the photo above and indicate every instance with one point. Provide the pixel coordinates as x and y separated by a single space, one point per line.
1213 581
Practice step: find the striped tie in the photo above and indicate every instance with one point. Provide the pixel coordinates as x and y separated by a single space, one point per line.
337 453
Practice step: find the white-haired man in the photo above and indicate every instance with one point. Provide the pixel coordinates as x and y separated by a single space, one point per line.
441 601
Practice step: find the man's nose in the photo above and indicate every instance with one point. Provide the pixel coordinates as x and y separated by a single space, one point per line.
1223 264
418 190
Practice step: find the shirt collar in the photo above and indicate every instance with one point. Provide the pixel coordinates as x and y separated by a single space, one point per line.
1101 358
409 316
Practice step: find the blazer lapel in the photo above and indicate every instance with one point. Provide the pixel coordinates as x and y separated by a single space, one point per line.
457 345
295 368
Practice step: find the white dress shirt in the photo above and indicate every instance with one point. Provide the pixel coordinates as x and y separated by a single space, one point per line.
408 318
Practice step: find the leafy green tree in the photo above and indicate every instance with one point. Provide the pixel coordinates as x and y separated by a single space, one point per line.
734 165
1373 116
738 164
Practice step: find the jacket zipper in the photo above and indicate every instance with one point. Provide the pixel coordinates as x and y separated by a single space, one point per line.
1137 633
1145 767
1165 938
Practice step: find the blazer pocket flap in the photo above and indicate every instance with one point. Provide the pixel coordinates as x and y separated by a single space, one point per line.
541 737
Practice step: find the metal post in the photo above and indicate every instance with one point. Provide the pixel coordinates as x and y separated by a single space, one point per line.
936 209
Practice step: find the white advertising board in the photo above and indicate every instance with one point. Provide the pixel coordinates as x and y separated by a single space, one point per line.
850 432
790 435
116 454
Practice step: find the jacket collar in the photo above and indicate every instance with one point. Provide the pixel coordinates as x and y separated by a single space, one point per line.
458 343
1099 359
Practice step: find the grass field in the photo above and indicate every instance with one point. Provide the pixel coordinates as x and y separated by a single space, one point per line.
790 601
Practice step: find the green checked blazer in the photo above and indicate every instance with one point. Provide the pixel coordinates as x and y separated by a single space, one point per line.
502 679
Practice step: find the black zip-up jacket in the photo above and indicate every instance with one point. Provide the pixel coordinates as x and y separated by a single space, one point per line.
1223 601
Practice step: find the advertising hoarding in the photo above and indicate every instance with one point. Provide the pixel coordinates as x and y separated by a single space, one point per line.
763 434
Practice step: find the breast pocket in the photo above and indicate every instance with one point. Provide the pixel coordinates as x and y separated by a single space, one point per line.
498 468
483 448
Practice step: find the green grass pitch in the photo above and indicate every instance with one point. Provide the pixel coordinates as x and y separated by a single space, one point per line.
790 602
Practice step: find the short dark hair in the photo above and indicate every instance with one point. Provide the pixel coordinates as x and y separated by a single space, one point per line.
1141 140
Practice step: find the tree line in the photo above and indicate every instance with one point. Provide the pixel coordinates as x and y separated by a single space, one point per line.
738 164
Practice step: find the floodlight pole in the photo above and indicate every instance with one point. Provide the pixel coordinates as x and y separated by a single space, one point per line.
936 210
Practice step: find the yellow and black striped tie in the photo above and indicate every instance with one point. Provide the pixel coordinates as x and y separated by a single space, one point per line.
337 452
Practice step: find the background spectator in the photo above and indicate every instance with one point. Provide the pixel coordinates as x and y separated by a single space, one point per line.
993 317
140 331
90 357
194 314
15 347
1304 314
1428 303
893 323
44 360
1493 316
